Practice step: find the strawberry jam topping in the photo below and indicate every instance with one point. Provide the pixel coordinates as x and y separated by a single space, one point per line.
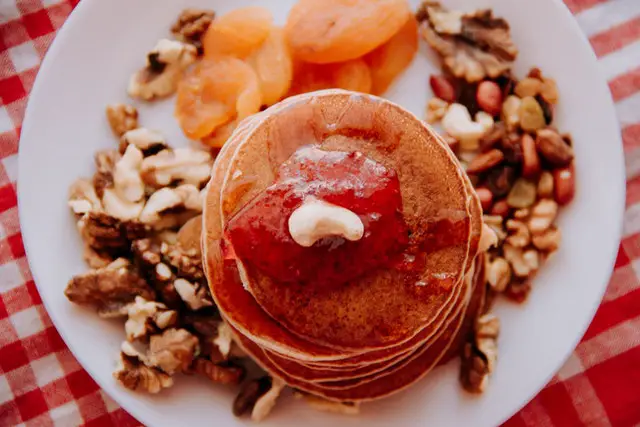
259 232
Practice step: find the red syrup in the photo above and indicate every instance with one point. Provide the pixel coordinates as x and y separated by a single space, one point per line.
260 236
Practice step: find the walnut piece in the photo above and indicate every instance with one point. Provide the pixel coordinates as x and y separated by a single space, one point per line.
171 207
224 339
173 351
480 355
498 274
122 118
187 262
179 166
126 175
222 374
148 258
436 109
149 142
543 213
144 316
83 197
106 234
523 262
136 376
473 46
265 403
195 295
105 162
116 283
548 241
165 65
519 235
192 24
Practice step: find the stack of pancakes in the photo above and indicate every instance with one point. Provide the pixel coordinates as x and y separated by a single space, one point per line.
381 331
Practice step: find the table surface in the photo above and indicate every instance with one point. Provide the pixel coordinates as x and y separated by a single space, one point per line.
41 383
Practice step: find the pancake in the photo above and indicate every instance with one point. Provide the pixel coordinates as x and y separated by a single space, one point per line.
383 386
239 290
374 311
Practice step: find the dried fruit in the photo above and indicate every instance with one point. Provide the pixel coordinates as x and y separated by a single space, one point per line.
326 31
564 186
531 114
522 195
500 180
545 185
485 161
489 97
553 148
530 158
350 75
393 57
528 86
511 111
238 32
549 91
273 65
442 88
214 93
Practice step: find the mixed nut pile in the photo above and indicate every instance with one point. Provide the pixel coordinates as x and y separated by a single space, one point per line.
521 166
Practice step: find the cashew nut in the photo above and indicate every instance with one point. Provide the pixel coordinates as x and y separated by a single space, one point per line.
317 219
457 122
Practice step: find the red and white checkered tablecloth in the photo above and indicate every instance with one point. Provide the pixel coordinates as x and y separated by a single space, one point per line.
41 383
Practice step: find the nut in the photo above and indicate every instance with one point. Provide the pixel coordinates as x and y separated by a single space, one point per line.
564 186
553 148
122 118
519 235
511 111
549 91
530 159
523 263
317 219
148 141
173 351
528 86
436 109
179 166
547 109
542 215
114 284
500 180
488 238
105 161
486 198
547 241
249 394
133 374
499 274
522 195
224 339
442 88
170 207
493 136
531 114
221 374
489 97
501 208
144 315
193 294
267 401
457 123
495 223
126 175
120 208
189 235
165 64
192 24
545 185
83 198
485 161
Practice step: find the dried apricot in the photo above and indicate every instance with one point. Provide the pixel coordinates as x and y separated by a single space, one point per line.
272 62
389 60
214 93
238 32
349 75
324 31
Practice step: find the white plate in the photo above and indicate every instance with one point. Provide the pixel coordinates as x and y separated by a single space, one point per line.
88 66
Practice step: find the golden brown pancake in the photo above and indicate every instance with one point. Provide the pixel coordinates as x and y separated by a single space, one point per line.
379 310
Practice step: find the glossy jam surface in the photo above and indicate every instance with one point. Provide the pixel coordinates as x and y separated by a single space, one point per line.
259 232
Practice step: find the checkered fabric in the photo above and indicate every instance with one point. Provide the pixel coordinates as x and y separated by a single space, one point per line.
41 383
